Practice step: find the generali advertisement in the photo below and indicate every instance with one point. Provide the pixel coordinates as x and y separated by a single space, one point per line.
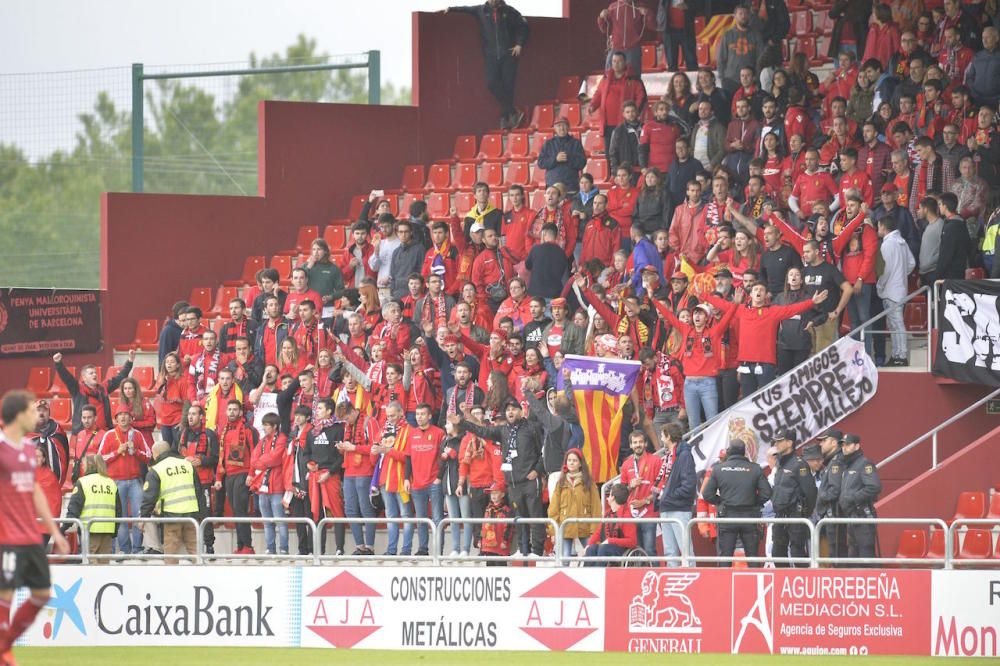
758 611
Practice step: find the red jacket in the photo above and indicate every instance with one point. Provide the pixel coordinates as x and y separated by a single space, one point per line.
514 230
294 298
601 239
621 206
487 363
699 351
311 340
496 537
480 469
519 312
396 340
348 272
190 344
169 401
759 326
126 465
687 235
267 462
622 535
625 25
812 187
423 458
661 139
883 41
646 469
448 262
612 92
365 432
85 443
486 268
859 257
798 121
861 182
236 444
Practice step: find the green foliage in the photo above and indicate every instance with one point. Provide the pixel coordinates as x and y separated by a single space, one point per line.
200 138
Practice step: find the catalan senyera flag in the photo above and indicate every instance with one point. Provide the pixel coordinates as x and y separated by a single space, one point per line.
601 386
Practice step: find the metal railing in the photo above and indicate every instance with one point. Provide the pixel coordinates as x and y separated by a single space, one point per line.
922 561
86 556
933 432
885 313
516 522
286 520
625 557
433 555
951 542
74 524
752 559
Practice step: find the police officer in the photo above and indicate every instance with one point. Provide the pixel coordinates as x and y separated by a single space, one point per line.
859 488
173 489
794 496
95 495
740 489
835 536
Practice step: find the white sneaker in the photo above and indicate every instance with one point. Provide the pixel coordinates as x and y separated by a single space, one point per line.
533 556
464 554
453 554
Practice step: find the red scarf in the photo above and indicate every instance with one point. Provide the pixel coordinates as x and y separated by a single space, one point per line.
310 343
238 453
546 216
440 311
470 395
209 371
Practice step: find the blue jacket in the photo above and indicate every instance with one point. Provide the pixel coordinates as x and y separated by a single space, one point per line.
681 488
170 338
568 172
644 254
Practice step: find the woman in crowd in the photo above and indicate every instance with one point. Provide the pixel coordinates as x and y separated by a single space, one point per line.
575 496
289 362
652 208
533 366
773 157
170 390
143 415
794 341
456 492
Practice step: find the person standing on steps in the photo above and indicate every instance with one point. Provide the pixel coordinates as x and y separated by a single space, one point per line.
504 33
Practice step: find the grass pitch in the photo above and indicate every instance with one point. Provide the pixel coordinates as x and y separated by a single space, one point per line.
303 657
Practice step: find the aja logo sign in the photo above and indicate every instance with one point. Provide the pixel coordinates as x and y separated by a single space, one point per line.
561 612
344 611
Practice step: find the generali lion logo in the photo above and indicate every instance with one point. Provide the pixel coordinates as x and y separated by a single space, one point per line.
344 614
661 607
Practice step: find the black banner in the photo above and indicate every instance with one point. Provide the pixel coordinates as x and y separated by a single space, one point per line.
968 344
45 321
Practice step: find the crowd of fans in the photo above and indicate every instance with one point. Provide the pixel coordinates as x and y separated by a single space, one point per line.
751 219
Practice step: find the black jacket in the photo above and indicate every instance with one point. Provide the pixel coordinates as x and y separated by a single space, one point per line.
557 433
953 257
568 172
681 489
448 469
624 146
794 487
653 210
320 448
406 260
829 485
501 34
527 444
737 485
102 390
170 339
860 486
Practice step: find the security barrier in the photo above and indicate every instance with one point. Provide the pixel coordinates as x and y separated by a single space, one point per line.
946 561
810 561
443 532
318 535
630 556
88 557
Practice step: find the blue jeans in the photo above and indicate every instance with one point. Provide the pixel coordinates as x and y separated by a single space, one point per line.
569 546
130 492
271 507
859 309
603 550
673 535
358 504
701 397
396 508
647 537
461 535
420 498
759 376
167 433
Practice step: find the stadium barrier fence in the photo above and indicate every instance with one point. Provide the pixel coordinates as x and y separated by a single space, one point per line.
814 548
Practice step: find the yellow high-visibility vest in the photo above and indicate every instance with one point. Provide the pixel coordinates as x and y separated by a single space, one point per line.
177 495
100 495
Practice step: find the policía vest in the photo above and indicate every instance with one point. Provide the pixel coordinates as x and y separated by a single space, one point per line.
100 495
177 494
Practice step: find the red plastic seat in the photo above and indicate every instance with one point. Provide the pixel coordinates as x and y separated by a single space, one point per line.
201 297
439 178
250 267
491 147
971 505
146 374
438 205
797 4
147 337
912 545
822 23
491 173
61 411
802 22
115 400
466 175
112 372
222 297
406 201
282 264
648 57
518 173
593 143
805 44
935 548
598 168
823 48
994 510
519 145
335 236
465 148
977 545
463 202
305 237
357 203
538 140
975 274
496 198
704 52
58 388
39 381
537 176
571 111
569 89
915 316
413 178
542 116
536 199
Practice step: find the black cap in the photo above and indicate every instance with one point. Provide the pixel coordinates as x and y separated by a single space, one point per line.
783 433
724 273
812 452
851 439
836 434
511 402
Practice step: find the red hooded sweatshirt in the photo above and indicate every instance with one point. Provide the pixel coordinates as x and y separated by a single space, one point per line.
128 464
424 457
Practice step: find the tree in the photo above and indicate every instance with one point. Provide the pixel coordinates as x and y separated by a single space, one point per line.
197 140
